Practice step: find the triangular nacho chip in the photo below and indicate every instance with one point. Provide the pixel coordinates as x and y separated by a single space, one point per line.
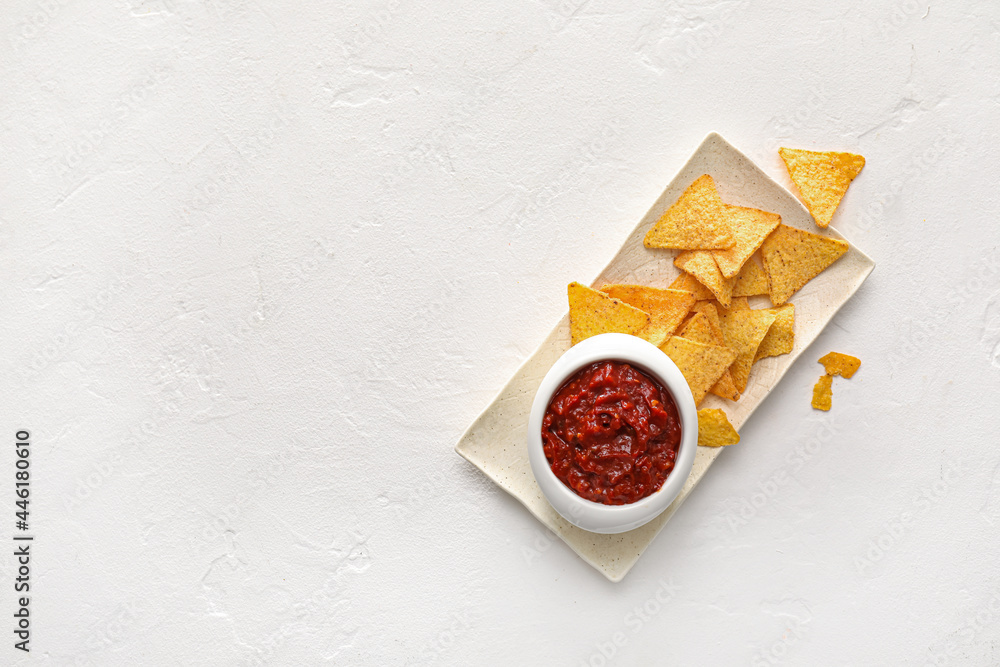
699 329
843 365
708 308
780 338
750 227
751 281
701 365
666 308
792 257
738 303
823 393
822 178
743 330
701 265
714 429
592 312
696 221
689 283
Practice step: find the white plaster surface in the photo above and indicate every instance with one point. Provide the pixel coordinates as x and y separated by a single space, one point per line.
262 263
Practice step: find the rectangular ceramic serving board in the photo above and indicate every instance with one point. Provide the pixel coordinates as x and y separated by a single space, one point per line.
496 442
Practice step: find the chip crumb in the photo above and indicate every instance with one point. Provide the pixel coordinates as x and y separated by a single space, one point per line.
823 393
843 365
714 429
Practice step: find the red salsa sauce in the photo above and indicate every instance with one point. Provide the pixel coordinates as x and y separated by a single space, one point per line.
611 433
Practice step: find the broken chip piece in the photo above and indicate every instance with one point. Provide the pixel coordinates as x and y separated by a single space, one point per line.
592 313
714 429
823 393
696 221
843 365
701 365
792 257
666 308
821 178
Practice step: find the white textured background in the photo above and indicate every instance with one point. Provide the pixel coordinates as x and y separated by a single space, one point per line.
262 263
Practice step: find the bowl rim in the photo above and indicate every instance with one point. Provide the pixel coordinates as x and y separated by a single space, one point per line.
588 514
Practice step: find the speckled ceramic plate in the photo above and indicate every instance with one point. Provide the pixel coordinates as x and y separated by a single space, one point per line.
496 440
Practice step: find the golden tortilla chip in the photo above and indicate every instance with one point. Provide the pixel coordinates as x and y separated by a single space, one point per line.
792 257
822 178
689 283
592 312
709 309
823 393
780 338
701 265
699 329
738 303
714 429
750 227
701 365
696 221
696 328
843 365
666 308
743 330
751 281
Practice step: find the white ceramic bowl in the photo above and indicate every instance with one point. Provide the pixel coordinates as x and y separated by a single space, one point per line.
598 517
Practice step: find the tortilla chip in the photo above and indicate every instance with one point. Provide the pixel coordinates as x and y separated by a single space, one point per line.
592 312
696 328
666 308
823 393
792 257
750 227
689 283
714 429
696 221
780 338
843 365
700 330
738 303
751 281
711 312
702 365
743 331
701 265
822 178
